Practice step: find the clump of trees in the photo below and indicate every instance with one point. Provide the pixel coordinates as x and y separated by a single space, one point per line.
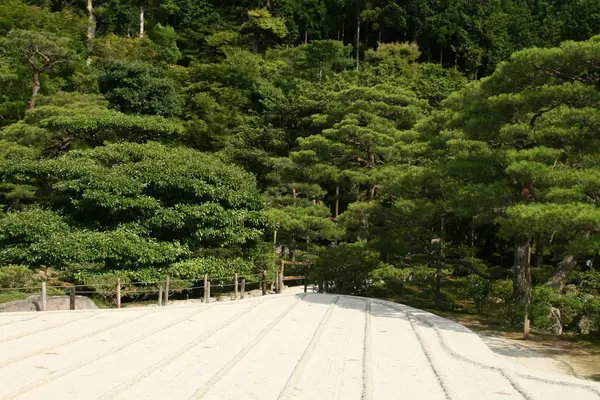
444 152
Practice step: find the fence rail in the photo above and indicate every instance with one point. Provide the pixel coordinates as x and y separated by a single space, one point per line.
162 287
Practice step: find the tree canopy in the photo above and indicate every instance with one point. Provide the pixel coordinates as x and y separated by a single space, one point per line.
445 148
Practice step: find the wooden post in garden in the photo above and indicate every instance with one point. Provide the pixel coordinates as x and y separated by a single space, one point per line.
243 288
526 323
72 297
208 291
44 297
166 302
160 295
305 282
277 283
281 280
264 283
205 288
118 297
235 287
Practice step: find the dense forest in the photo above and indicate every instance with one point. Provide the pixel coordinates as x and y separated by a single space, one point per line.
443 150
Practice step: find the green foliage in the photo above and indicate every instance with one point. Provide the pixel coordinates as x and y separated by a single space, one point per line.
15 276
166 39
264 27
478 289
143 204
114 126
135 87
366 152
348 265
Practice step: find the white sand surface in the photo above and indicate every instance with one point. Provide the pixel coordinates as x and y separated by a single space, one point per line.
289 346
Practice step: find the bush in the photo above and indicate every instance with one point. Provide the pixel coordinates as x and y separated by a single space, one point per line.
589 281
543 298
349 265
388 280
478 289
15 276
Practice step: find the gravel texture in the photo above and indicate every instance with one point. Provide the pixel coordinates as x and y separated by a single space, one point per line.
289 346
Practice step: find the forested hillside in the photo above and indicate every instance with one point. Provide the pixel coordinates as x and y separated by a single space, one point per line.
443 149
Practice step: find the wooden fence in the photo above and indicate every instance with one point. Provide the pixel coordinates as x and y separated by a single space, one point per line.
165 287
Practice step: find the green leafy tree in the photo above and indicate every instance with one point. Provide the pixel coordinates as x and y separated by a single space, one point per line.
139 88
40 51
263 28
129 206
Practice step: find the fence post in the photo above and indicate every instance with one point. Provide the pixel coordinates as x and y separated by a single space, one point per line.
278 282
205 288
118 299
243 288
72 297
160 295
235 287
264 283
208 291
166 302
44 297
305 282
281 280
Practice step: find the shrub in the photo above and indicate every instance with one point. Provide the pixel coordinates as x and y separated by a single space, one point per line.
15 276
478 289
349 265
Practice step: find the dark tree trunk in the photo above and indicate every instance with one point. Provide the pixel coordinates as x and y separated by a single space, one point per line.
441 55
343 32
562 272
306 36
35 90
268 5
357 43
440 265
337 201
371 164
379 40
522 271
539 252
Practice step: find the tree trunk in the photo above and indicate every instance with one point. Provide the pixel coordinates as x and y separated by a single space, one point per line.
371 162
306 36
343 31
441 55
357 43
35 90
338 36
255 44
562 272
91 30
372 191
539 252
141 21
379 40
440 265
367 37
522 271
337 201
268 5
